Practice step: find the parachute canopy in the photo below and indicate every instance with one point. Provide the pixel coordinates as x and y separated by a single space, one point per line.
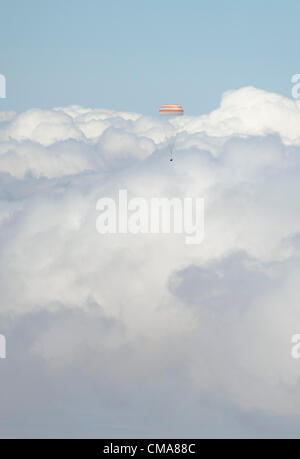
171 110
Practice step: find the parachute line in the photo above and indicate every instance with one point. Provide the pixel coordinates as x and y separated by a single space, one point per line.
168 111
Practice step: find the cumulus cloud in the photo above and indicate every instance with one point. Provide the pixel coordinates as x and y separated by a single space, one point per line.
117 334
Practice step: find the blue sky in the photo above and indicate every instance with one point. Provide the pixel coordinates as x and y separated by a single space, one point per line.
134 55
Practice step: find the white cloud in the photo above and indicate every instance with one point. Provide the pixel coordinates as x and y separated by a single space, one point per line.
140 311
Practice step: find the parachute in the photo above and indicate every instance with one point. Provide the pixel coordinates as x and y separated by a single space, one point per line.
170 131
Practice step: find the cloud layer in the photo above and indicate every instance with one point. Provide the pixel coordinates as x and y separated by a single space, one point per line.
144 335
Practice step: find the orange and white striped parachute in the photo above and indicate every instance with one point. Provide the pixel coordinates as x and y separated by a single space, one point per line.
171 110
